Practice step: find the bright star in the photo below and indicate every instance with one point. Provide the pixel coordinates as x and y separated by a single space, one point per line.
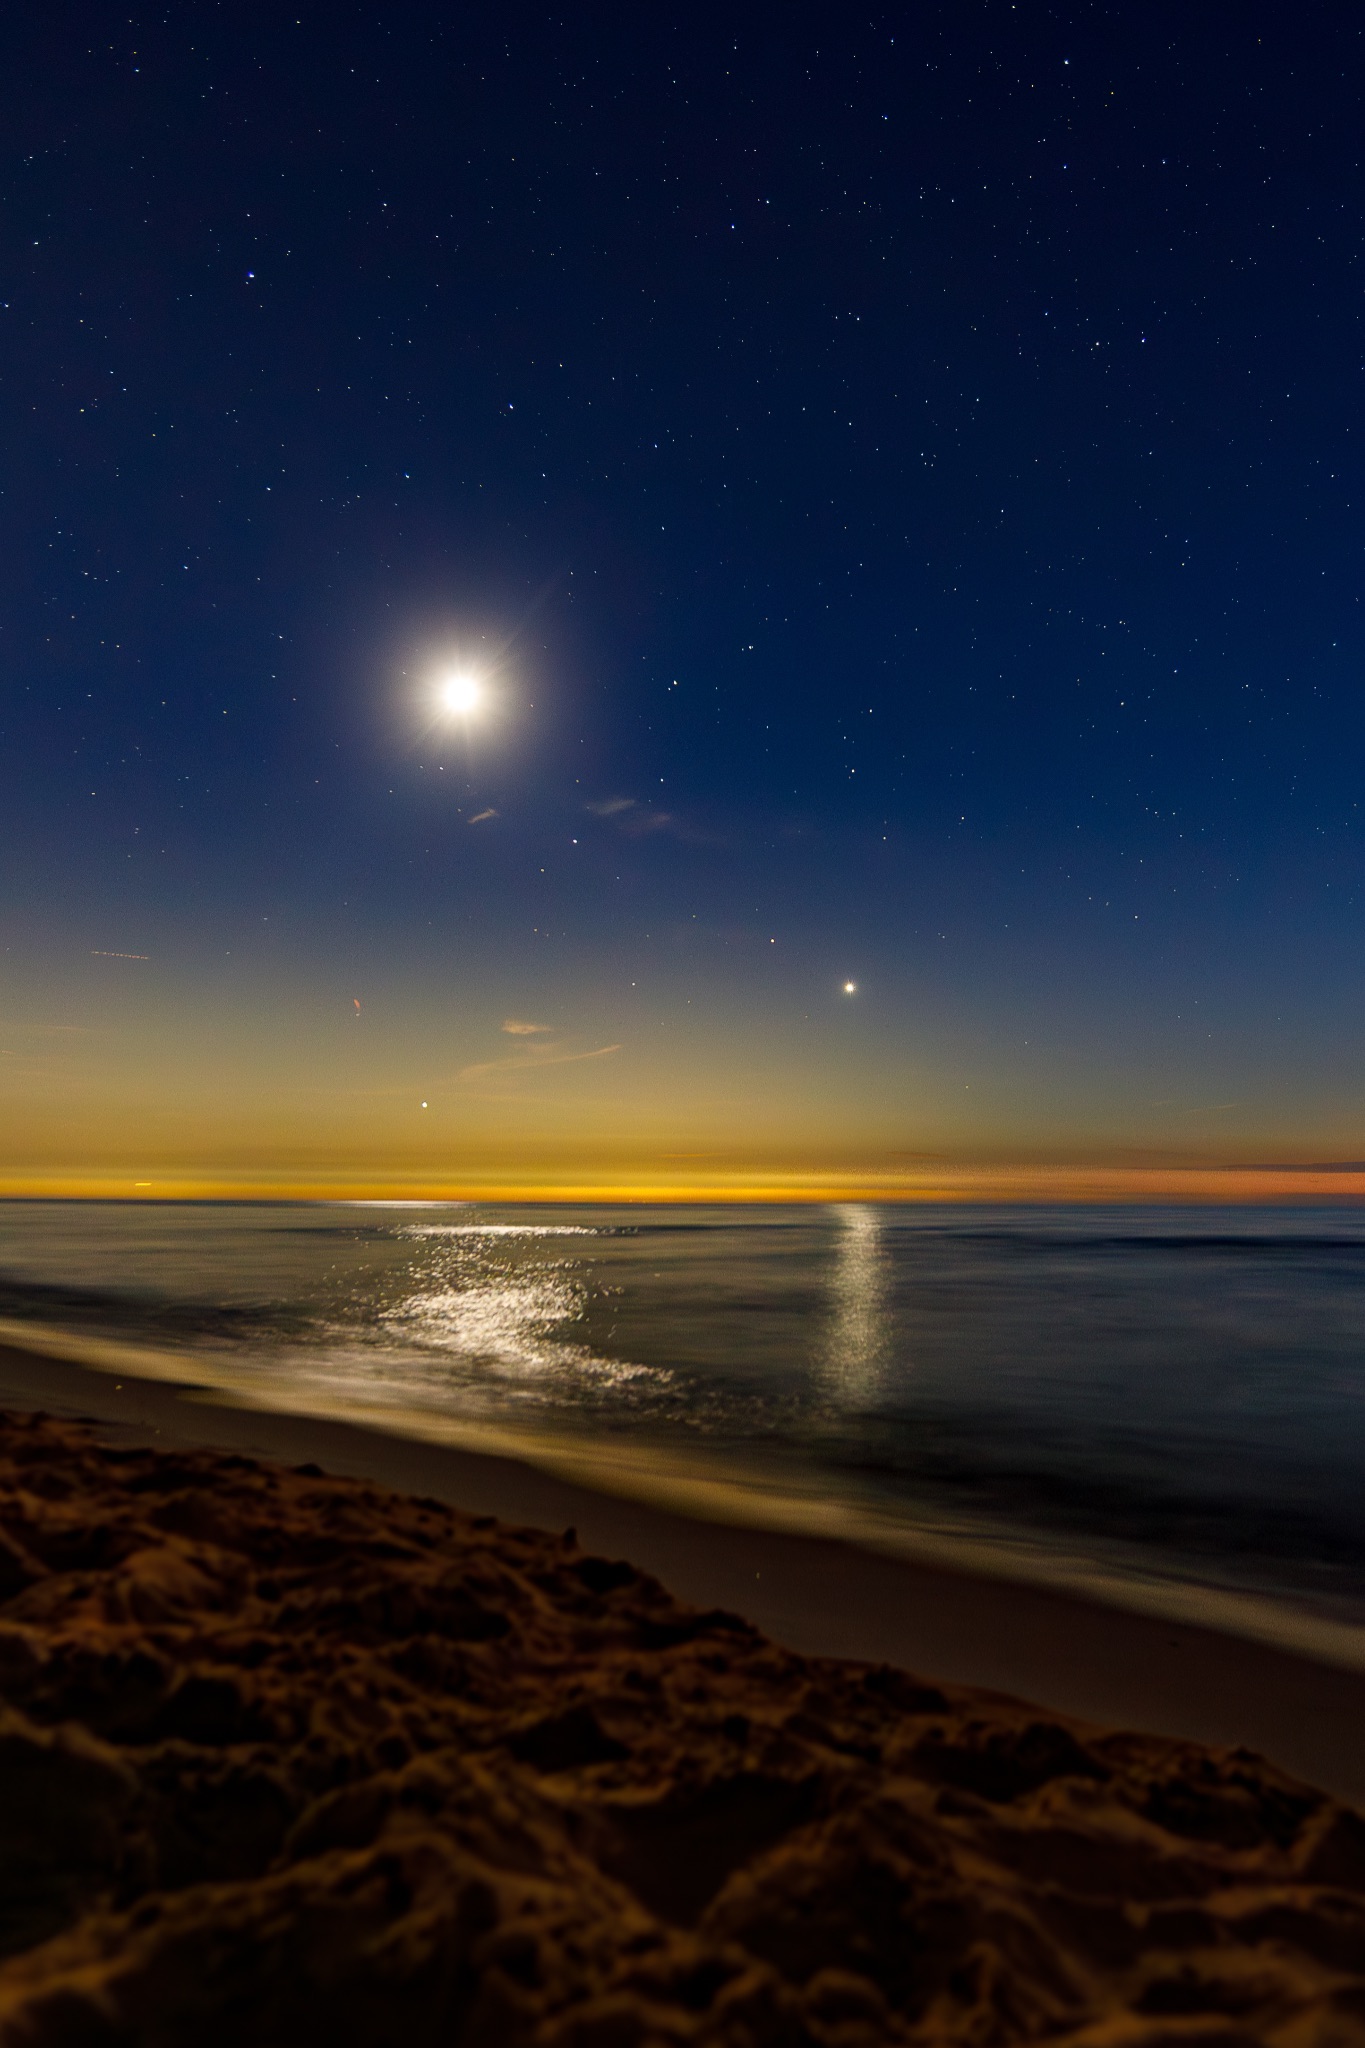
850 988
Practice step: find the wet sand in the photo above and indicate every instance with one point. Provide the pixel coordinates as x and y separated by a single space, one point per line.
1101 1663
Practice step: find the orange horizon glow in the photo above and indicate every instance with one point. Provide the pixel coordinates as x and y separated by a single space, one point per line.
971 1184
194 1081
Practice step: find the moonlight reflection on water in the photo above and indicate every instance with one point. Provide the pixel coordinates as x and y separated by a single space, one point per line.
1161 1391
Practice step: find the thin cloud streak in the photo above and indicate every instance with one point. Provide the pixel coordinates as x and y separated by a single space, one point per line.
532 1058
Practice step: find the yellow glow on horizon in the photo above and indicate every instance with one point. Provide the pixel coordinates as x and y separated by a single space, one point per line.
555 1080
956 1184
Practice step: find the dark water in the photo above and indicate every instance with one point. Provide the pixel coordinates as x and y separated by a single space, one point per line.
1172 1394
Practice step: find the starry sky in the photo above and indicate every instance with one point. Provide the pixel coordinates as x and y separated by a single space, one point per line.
895 479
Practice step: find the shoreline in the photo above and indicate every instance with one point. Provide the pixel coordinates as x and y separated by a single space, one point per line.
816 1593
734 1496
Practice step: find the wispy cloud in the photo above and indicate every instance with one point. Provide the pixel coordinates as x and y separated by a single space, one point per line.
638 819
534 1057
480 816
519 1029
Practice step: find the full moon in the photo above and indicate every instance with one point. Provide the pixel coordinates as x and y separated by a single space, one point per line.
460 695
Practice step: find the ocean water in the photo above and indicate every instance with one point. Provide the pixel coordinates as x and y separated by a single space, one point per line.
1167 1404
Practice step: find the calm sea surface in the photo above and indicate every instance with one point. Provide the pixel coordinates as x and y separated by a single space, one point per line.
1174 1396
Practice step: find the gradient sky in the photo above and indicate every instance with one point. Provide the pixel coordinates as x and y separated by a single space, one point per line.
898 479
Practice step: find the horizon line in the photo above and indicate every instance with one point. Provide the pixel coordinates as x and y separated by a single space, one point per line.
1257 1185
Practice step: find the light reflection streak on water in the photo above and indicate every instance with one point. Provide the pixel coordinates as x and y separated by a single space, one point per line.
857 1348
504 1317
499 1230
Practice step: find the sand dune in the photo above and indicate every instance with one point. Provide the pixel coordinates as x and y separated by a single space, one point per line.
288 1757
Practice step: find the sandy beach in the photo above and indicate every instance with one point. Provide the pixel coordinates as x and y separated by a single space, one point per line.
1101 1662
285 1754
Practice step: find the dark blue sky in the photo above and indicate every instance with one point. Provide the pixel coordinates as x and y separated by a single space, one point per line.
913 457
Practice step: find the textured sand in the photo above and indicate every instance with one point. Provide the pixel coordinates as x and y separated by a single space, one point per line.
285 1758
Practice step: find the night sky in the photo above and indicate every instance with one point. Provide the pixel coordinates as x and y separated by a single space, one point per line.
895 479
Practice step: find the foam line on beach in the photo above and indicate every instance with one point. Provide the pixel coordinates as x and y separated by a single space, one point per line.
733 1498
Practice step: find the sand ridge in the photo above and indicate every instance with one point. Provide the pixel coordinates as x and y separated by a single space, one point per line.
285 1756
